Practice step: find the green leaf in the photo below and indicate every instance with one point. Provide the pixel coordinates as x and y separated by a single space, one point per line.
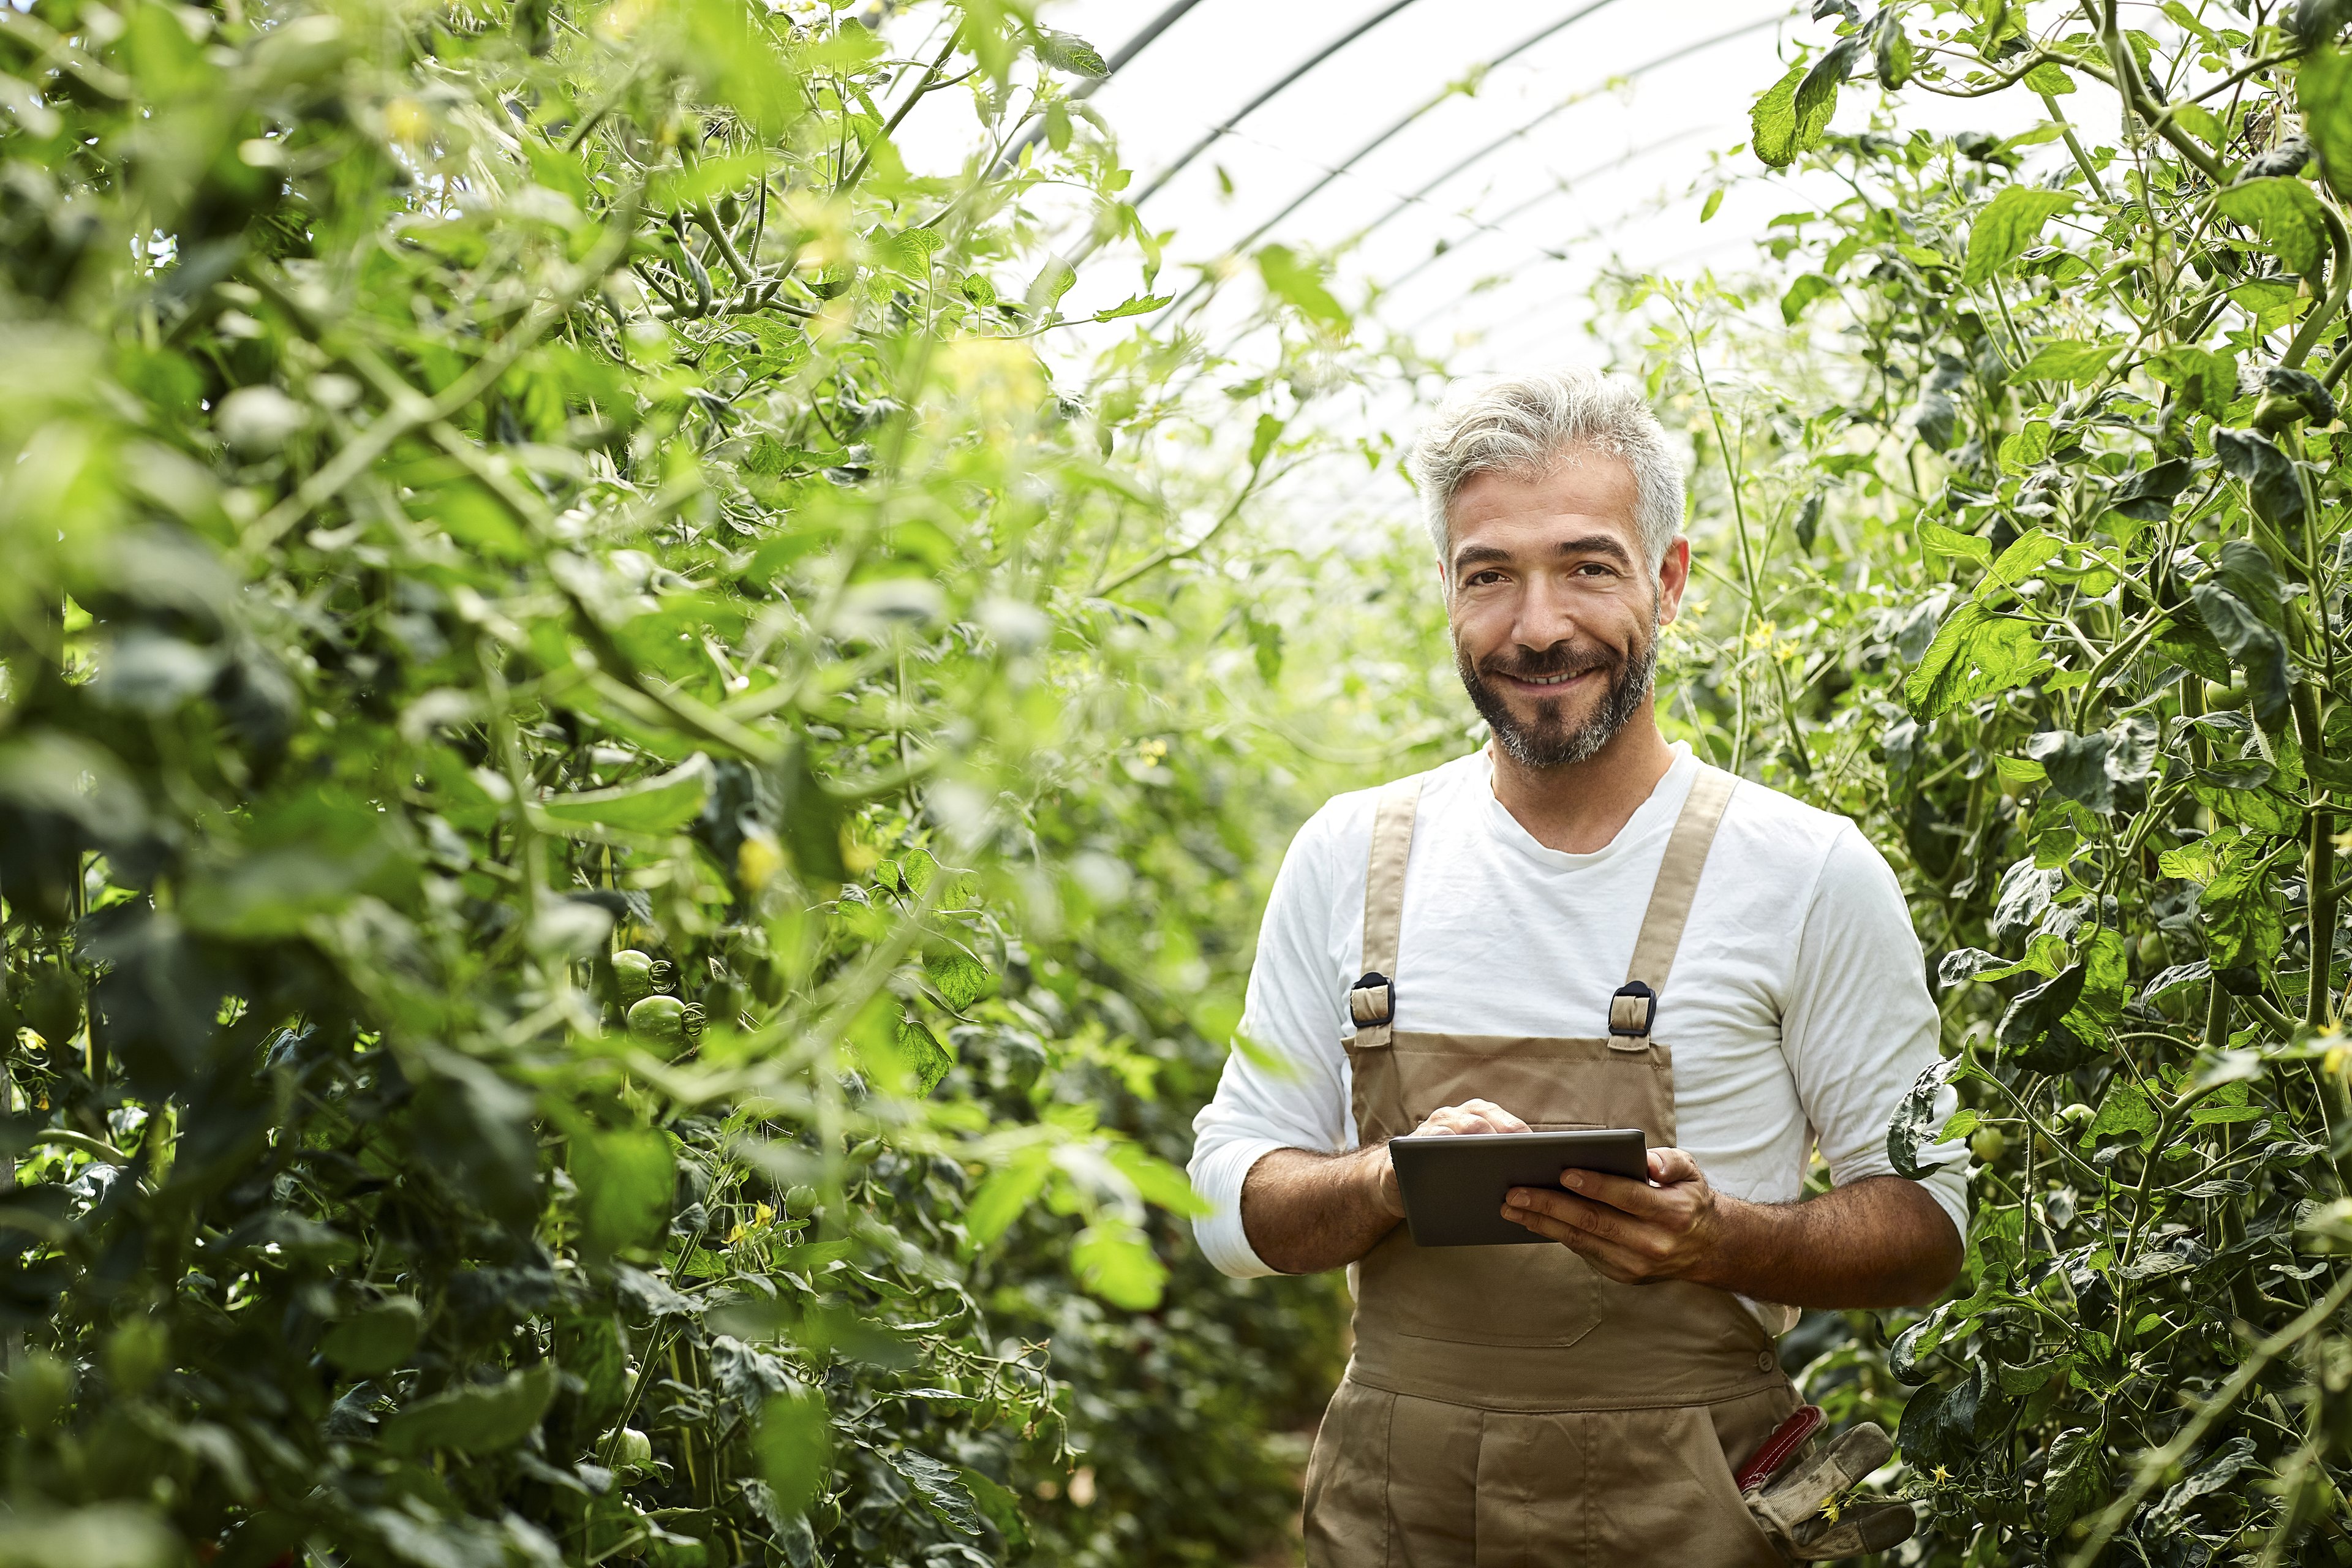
1157 1180
1068 52
1808 287
2254 645
941 1488
1262 435
2201 122
1941 541
2270 302
1776 131
959 979
2051 77
2247 569
2074 1480
1114 1260
376 1339
1300 283
1135 305
1912 1127
2027 448
662 804
2206 381
2076 766
1976 653
1891 52
2026 554
1004 1195
2006 226
1815 101
2033 1030
1938 1426
2065 360
108 1535
2323 86
1054 280
2107 984
1000 1505
627 1179
2285 213
924 1060
795 1445
2272 483
2125 1112
474 1418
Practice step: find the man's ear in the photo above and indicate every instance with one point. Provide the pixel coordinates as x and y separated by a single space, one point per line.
1674 577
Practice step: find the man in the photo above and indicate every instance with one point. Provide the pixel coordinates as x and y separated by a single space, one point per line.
1487 949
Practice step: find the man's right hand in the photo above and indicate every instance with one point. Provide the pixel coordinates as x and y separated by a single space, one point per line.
1305 1212
1472 1116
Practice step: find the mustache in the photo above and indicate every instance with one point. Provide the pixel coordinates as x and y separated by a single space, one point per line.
1559 659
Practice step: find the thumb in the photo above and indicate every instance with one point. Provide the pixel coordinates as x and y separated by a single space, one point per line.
1668 1166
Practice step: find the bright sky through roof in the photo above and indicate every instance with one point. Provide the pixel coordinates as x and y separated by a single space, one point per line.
1487 220
1494 211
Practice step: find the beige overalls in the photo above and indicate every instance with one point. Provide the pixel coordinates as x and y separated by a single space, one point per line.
1511 1405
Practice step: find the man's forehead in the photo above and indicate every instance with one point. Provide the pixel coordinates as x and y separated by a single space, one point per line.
1593 497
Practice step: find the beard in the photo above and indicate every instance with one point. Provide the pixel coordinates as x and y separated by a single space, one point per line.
1552 739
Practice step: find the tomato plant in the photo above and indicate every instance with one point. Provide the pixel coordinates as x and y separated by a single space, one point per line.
2022 473
620 864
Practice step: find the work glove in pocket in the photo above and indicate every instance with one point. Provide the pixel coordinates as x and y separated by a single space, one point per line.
1795 1478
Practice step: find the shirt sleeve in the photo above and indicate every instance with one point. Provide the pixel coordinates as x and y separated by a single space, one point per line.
1284 1086
1860 1027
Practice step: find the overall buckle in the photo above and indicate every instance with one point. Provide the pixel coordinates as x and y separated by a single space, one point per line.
1632 1009
1372 1000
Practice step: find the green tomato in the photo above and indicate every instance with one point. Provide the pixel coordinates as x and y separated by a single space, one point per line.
2078 1115
2218 697
1988 1145
633 1451
660 1020
633 972
800 1202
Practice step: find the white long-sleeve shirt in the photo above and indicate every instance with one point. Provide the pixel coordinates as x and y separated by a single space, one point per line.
1796 1011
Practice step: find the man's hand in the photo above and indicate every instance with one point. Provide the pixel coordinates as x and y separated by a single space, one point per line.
1878 1242
1472 1116
1305 1212
1669 1228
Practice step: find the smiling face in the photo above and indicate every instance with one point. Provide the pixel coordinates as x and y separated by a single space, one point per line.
1554 606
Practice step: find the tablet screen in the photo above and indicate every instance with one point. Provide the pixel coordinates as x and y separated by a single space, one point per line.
1454 1183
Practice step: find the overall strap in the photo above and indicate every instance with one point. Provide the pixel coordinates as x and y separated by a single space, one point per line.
1634 1008
1371 1001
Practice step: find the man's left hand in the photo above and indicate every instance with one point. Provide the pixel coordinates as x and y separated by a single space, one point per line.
1672 1227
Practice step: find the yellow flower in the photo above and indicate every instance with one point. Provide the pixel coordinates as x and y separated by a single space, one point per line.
758 860
405 119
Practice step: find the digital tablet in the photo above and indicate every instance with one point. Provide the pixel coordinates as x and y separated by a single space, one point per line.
1454 1182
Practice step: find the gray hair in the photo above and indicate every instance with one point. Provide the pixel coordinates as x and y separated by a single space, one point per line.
1528 426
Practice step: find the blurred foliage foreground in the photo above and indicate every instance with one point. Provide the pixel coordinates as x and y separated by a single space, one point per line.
608 931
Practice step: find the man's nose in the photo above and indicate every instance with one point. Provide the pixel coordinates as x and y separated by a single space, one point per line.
1547 614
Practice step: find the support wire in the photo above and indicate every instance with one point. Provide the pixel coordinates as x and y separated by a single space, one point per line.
1219 131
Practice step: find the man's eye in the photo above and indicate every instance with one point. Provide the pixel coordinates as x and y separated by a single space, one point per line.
1480 579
